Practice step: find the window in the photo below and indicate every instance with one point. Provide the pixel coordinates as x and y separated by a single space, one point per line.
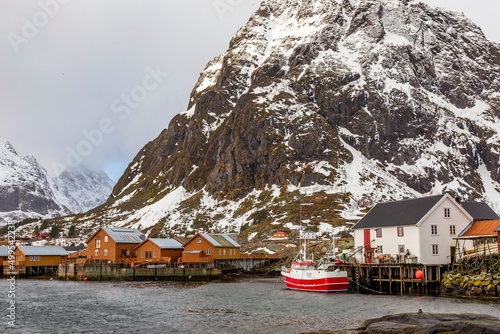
154 254
128 252
198 240
105 252
434 229
105 238
148 255
220 251
208 251
142 255
230 251
400 231
447 213
97 243
34 258
401 249
96 253
378 232
435 249
452 230
224 251
379 249
124 252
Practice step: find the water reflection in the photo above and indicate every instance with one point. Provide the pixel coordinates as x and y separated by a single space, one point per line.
246 306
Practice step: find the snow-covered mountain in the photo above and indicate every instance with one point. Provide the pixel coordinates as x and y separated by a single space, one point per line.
338 103
84 187
27 191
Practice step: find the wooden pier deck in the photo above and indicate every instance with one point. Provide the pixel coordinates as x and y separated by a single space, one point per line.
394 278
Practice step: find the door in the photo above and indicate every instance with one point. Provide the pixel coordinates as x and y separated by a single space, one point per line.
452 254
368 248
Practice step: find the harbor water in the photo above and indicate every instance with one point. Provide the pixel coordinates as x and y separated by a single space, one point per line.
244 306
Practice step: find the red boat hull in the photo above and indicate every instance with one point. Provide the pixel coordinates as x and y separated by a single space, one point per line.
327 284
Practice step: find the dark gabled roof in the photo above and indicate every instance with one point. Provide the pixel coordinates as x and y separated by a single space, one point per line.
73 248
479 211
181 240
405 212
497 229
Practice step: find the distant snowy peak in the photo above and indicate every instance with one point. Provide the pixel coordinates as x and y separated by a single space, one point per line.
5 147
27 191
85 187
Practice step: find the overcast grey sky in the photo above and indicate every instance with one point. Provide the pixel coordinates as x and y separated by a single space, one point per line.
95 80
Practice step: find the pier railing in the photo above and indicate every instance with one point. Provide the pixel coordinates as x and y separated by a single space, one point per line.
386 259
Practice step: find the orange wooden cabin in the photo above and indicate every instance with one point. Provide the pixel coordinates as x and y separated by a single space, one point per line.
38 256
281 235
114 244
158 250
204 247
4 255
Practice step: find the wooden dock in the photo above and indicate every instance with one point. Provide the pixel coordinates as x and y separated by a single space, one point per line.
394 278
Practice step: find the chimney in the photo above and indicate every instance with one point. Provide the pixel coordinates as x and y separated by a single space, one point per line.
457 199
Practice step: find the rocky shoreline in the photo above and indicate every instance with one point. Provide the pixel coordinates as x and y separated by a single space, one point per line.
432 323
426 323
479 285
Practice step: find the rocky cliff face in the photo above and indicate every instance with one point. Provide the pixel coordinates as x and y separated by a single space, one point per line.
27 191
337 103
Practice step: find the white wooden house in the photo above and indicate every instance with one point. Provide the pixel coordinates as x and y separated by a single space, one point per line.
308 235
422 229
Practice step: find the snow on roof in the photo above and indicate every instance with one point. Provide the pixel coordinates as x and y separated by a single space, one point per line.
167 243
43 250
4 251
124 235
220 240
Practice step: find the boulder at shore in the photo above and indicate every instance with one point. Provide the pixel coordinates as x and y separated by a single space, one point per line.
432 323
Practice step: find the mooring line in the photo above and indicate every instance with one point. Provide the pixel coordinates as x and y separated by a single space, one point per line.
364 287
